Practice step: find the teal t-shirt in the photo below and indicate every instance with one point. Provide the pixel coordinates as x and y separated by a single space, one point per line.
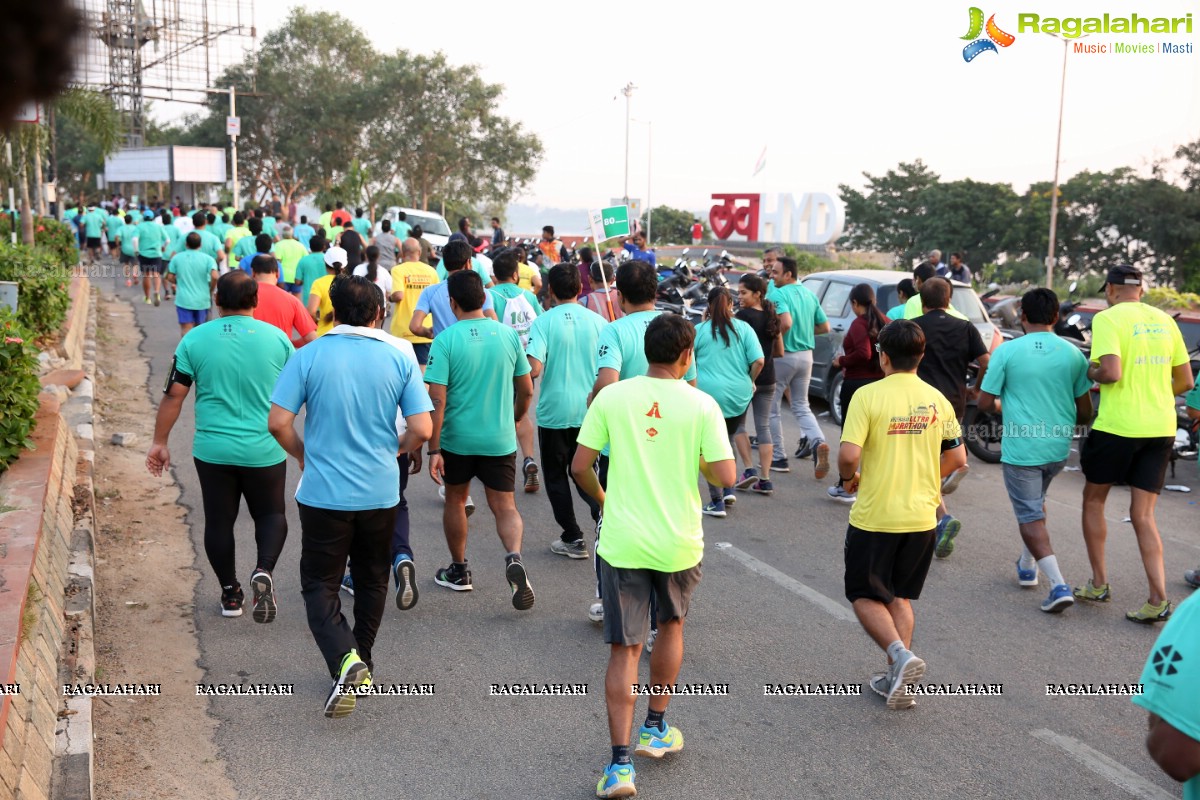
1171 678
210 245
799 301
93 224
622 346
269 226
564 339
112 226
896 312
363 226
476 265
244 247
1193 398
519 315
311 267
234 362
220 230
723 371
151 238
476 360
1037 378
192 270
126 235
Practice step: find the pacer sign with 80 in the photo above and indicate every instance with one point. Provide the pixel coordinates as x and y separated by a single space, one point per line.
613 222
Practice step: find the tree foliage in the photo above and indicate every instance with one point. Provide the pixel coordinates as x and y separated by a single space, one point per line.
670 225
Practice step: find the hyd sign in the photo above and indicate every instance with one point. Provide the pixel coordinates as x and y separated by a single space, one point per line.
1074 27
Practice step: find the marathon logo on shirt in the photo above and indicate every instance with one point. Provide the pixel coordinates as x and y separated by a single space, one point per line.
918 420
1149 329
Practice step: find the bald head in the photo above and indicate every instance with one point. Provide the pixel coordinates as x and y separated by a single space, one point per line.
410 250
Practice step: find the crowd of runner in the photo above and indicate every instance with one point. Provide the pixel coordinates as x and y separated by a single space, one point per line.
405 361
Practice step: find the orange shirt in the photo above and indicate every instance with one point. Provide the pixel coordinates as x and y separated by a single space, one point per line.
281 309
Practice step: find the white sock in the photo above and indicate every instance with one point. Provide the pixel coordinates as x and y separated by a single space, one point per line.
1049 568
895 650
1027 559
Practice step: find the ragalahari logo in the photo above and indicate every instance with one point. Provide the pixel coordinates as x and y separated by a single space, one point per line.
979 44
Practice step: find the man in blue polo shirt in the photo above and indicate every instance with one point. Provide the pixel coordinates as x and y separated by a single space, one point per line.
350 490
436 299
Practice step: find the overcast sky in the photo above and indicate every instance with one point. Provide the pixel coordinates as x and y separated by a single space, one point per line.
830 89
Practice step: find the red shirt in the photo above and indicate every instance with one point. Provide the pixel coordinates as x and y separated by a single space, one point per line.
697 231
340 217
284 311
860 361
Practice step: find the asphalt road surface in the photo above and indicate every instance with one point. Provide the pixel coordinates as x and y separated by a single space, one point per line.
770 610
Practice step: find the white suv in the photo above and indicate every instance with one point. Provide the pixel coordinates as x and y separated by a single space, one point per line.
433 225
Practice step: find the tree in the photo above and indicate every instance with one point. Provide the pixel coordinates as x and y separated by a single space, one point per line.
887 217
88 129
670 225
966 215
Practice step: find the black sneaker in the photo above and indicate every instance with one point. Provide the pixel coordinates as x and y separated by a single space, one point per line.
232 599
518 581
265 607
405 573
455 576
804 448
780 465
532 482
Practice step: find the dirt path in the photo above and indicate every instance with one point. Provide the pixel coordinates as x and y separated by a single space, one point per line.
146 747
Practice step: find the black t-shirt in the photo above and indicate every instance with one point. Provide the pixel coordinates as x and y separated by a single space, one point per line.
352 243
950 345
756 318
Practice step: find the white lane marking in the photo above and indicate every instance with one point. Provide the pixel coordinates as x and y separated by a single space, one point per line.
810 594
1104 766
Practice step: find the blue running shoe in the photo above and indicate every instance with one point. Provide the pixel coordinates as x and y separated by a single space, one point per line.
617 781
656 743
1027 577
947 528
1059 600
714 509
405 573
348 584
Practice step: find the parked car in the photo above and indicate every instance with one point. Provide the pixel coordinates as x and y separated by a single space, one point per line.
433 225
833 291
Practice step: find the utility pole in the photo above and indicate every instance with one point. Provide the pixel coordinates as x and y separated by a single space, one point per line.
237 204
1062 95
628 92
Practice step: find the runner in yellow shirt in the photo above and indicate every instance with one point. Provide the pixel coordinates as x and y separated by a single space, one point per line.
409 278
319 303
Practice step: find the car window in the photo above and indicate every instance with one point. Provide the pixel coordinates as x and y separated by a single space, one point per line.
886 297
836 302
967 302
814 285
434 225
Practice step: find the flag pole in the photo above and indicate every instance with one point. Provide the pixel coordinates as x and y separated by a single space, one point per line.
603 278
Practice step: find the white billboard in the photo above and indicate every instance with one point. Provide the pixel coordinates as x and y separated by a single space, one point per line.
198 164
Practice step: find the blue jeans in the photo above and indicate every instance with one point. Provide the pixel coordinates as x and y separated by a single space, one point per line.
1027 489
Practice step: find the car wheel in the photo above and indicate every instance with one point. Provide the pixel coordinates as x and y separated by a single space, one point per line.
834 397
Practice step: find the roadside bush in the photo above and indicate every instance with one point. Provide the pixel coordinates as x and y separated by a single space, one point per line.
807 262
1170 300
19 388
48 234
43 300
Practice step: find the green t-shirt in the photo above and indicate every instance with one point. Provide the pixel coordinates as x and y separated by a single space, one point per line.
799 301
235 235
522 308
1171 676
1037 378
93 224
476 360
895 312
914 309
126 235
234 362
288 252
192 270
723 372
622 346
363 226
245 247
70 214
112 226
311 267
151 238
269 226
1149 344
564 339
210 243
658 430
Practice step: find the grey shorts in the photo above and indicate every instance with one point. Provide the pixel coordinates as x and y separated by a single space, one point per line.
626 597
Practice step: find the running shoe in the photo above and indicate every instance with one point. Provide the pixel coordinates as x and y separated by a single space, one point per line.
148 300
879 685
803 448
749 478
651 638
753 441
265 607
518 582
840 494
947 528
617 781
157 299
656 743
532 482
901 674
1192 578
1060 600
730 498
1027 577
470 502
405 573
1148 614
951 481
1097 594
353 674
575 549
763 487
715 509
232 599
820 458
780 465
596 612
348 584
455 576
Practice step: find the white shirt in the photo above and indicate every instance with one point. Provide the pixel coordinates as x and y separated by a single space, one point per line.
383 279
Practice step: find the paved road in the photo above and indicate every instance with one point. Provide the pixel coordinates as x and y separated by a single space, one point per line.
750 625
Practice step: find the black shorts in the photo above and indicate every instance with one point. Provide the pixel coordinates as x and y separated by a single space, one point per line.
498 473
93 242
421 349
884 566
128 259
733 423
151 264
625 594
1142 463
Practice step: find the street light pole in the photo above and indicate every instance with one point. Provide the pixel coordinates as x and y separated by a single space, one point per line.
237 204
649 172
1062 94
628 92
